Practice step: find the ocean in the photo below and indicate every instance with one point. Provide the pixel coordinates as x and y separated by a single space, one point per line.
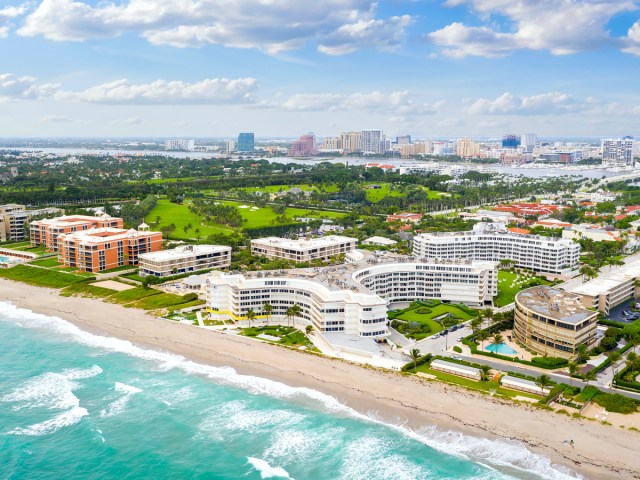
74 405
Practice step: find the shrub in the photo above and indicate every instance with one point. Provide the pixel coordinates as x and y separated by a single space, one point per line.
608 343
457 349
613 332
423 310
421 361
190 297
616 403
549 362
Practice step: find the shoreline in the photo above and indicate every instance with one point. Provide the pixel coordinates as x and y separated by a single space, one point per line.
600 452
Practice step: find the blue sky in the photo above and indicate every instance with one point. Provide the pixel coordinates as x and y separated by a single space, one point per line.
285 67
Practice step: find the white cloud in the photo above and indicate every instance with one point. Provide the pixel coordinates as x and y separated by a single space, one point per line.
126 121
14 88
510 104
6 15
56 119
273 26
633 39
559 26
210 91
401 102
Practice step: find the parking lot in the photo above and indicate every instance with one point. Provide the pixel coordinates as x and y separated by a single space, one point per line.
616 313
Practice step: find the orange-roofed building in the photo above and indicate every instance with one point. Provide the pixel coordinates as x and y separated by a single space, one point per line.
405 217
46 232
100 249
522 231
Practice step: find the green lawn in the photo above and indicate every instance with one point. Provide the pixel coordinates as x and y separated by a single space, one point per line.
180 216
87 290
284 188
288 335
375 195
473 385
40 276
438 310
507 292
47 262
132 295
162 300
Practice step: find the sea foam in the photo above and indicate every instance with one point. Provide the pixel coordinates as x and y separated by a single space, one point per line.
494 453
118 406
266 470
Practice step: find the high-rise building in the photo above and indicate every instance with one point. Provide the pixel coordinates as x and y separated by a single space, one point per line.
510 141
332 143
352 142
179 145
304 146
528 141
618 151
246 142
403 140
371 141
230 146
467 148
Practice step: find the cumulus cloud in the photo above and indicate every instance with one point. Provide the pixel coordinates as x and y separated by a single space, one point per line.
13 87
633 39
401 102
6 15
338 26
209 91
559 26
510 104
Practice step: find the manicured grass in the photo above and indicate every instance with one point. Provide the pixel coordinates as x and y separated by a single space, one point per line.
438 310
40 276
284 188
119 269
181 216
506 292
424 319
132 295
288 335
180 306
471 384
386 190
47 262
86 290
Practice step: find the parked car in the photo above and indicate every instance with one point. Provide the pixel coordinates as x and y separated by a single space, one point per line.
459 339
454 328
444 332
437 335
456 357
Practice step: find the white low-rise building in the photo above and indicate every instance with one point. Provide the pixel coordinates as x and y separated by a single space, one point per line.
494 242
473 283
303 250
184 259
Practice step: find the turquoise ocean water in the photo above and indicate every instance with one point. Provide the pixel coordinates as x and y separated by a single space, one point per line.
74 405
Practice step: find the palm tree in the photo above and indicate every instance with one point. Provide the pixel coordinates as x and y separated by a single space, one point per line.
573 368
158 220
475 324
268 308
542 382
309 329
614 357
251 315
496 340
488 314
295 311
197 234
484 373
414 353
289 315
482 335
590 376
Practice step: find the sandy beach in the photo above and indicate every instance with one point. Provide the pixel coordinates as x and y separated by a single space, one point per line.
601 452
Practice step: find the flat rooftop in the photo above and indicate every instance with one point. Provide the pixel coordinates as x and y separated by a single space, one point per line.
304 243
184 252
554 303
609 281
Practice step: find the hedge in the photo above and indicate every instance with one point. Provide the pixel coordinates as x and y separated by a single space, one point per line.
632 385
420 361
549 362
611 323
457 349
614 402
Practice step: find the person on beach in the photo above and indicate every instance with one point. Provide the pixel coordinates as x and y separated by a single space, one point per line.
572 444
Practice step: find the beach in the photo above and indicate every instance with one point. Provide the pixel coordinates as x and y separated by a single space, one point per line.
600 451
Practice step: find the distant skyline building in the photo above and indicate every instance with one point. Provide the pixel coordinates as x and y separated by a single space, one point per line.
332 143
230 146
371 141
467 148
528 141
510 141
403 140
618 151
179 145
246 142
351 142
304 146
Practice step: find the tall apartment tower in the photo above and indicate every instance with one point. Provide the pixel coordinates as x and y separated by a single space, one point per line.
371 140
618 151
352 142
246 142
528 141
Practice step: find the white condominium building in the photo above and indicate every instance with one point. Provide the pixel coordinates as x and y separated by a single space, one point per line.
610 289
352 311
304 249
471 282
493 242
188 258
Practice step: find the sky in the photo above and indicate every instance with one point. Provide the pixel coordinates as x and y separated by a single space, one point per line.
213 68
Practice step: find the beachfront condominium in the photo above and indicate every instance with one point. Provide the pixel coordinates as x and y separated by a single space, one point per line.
610 289
246 142
105 248
14 220
494 242
353 311
303 250
184 259
46 232
553 322
471 282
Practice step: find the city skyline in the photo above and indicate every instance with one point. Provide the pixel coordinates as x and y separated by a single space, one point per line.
456 68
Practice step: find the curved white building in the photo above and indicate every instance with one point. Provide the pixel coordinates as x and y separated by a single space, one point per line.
329 307
493 242
473 283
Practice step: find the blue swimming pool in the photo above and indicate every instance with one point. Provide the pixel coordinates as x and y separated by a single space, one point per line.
501 348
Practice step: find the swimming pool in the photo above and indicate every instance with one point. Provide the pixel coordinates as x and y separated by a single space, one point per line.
4 259
501 348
